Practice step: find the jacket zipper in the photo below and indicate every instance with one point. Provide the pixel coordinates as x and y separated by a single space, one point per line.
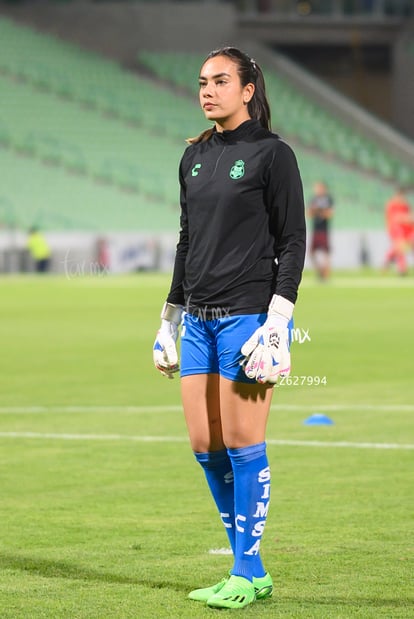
218 159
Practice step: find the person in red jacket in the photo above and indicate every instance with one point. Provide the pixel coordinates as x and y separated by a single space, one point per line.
400 228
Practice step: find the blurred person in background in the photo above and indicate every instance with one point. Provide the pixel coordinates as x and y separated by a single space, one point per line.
237 270
39 250
320 211
400 228
103 255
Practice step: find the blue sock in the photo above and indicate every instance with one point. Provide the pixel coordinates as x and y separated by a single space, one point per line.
219 475
252 494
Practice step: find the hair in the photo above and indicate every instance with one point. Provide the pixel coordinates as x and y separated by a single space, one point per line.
249 72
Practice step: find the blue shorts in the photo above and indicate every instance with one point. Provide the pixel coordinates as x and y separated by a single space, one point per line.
213 346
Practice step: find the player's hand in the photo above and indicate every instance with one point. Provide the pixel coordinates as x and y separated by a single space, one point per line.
165 350
267 351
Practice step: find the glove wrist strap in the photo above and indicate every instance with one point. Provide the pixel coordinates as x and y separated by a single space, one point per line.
172 313
280 305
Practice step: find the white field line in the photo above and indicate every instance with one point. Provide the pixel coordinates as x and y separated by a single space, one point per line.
65 436
177 439
89 409
362 282
183 439
4 410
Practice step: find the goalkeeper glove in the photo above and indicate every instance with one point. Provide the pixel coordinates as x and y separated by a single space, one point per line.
164 351
267 351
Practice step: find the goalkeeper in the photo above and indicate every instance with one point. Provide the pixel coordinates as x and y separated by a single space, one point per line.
237 270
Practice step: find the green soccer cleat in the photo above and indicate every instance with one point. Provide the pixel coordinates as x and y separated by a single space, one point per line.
263 587
238 592
202 595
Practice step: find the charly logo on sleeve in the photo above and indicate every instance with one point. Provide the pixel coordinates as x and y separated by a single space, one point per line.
194 171
237 171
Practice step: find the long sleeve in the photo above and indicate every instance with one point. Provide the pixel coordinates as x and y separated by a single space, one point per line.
287 220
176 294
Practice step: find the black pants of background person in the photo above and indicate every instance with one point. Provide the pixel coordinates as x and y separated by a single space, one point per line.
42 266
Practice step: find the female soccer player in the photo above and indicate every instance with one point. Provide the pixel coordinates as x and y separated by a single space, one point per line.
237 270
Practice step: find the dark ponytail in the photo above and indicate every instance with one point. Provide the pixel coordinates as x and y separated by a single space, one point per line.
249 72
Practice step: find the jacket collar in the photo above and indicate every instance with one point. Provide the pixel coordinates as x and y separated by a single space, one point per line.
241 131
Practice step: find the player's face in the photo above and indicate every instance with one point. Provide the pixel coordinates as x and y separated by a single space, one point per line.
222 97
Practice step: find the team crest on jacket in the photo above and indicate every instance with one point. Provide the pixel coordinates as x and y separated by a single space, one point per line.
237 171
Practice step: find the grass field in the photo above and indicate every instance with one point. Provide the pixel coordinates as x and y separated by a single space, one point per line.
104 512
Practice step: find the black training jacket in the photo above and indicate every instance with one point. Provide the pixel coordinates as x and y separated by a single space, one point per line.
243 234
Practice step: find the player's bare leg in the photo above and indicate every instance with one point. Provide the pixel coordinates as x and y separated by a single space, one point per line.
244 412
326 267
201 401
